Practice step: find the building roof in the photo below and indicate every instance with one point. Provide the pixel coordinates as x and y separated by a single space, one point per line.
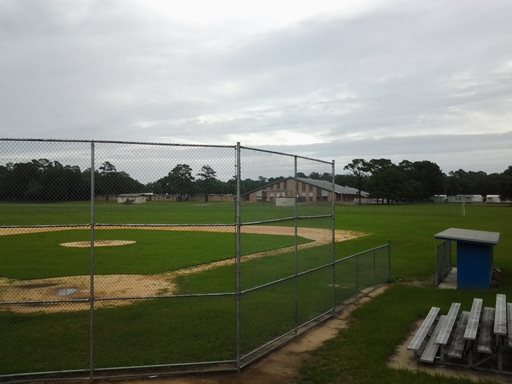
327 185
323 184
469 235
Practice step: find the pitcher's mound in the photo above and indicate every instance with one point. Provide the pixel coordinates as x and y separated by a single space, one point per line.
98 243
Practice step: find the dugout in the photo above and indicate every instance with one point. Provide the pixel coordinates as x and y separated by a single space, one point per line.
474 256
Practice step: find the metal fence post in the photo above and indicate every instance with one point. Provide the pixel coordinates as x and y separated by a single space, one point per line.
436 273
373 257
237 256
333 228
91 270
357 273
389 261
295 236
449 248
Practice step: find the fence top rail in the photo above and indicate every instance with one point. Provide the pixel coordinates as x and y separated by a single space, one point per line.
117 142
90 141
287 154
127 225
362 253
286 278
288 218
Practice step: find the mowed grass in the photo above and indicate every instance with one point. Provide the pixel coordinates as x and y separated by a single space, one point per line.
149 213
152 332
411 230
359 354
198 329
40 255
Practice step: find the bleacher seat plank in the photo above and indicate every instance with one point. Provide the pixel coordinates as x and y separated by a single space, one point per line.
446 330
500 318
457 345
509 314
485 337
423 330
473 320
432 347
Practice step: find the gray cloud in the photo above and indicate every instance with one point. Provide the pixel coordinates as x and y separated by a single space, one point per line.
399 80
451 152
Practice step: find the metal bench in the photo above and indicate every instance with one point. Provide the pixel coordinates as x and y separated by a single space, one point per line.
474 320
446 330
500 326
500 319
479 339
509 313
432 347
485 339
423 331
456 348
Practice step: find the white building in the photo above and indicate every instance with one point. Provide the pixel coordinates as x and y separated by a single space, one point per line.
133 198
465 199
493 199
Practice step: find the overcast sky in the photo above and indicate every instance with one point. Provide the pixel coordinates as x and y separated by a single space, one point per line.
429 80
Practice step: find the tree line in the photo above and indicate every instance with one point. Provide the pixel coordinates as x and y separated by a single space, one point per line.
45 180
420 180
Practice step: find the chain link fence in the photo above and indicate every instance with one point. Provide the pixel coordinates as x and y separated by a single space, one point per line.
121 258
443 261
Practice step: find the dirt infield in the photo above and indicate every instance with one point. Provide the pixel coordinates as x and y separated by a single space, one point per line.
50 290
97 243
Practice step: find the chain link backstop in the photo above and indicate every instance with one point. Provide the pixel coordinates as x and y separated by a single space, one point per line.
123 258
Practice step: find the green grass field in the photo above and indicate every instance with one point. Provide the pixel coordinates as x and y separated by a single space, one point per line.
40 255
159 331
151 213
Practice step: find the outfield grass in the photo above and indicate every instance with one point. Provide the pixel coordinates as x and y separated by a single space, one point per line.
411 230
149 213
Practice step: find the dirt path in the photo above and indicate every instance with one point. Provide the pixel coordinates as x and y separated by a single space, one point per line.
111 286
281 366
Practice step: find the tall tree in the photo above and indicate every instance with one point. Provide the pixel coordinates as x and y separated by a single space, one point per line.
427 175
181 181
107 167
206 180
389 184
506 184
360 169
109 181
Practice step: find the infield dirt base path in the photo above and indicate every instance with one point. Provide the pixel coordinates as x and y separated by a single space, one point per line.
122 286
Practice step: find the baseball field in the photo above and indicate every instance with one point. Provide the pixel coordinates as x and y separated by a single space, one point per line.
166 295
